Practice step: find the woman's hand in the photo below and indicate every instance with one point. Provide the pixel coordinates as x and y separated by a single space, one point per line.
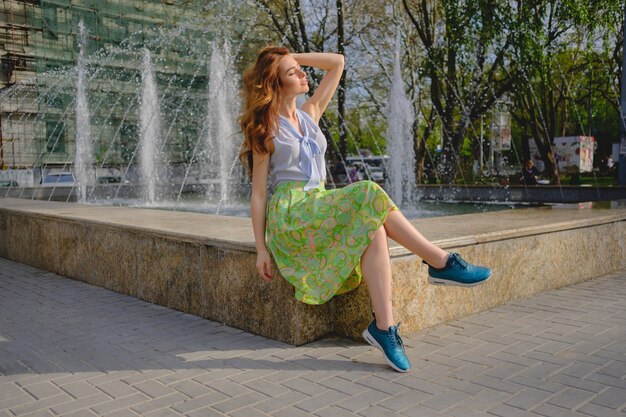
264 264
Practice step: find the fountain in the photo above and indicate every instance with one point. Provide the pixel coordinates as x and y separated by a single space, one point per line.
83 165
153 130
150 161
221 141
139 139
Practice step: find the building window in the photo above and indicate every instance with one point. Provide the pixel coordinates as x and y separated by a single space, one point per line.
128 140
49 22
55 137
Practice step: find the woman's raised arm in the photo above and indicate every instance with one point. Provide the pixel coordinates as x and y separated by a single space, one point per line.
333 65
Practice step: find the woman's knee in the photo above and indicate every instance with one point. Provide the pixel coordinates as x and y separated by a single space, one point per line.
380 236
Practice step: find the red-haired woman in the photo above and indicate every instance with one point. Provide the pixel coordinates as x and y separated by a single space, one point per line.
324 241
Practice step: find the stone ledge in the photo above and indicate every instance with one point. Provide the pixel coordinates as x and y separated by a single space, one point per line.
204 264
521 193
223 231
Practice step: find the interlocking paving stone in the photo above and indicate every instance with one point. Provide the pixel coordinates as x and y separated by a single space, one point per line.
404 400
553 411
72 349
503 410
80 404
612 398
529 398
247 412
205 412
571 398
122 412
18 400
280 402
39 405
484 399
421 411
445 400
39 413
198 402
363 400
81 413
10 390
536 383
321 401
42 390
158 403
153 388
120 403
599 411
239 402
163 412
461 411
80 389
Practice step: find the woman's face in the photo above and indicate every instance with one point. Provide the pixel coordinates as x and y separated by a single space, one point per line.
292 78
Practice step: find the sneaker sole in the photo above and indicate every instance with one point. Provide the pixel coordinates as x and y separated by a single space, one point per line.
441 281
370 339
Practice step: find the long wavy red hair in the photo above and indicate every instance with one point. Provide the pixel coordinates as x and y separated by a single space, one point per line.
261 84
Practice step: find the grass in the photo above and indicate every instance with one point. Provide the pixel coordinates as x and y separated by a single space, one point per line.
600 181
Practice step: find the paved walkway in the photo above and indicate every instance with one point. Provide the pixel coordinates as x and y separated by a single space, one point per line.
68 348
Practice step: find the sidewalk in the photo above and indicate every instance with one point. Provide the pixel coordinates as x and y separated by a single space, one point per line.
68 348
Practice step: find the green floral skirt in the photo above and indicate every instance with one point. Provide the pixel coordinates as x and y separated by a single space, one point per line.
317 237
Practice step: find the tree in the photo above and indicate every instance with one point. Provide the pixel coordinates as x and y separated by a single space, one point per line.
551 51
467 46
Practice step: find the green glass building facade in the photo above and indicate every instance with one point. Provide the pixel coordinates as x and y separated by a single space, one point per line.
39 49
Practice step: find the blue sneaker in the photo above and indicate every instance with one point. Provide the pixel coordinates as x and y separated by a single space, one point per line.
390 343
458 272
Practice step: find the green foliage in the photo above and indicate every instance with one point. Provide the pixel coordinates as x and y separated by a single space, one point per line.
364 130
557 62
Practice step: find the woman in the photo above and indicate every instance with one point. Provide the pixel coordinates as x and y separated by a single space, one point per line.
324 241
529 174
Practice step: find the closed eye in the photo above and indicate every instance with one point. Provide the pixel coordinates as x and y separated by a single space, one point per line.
299 68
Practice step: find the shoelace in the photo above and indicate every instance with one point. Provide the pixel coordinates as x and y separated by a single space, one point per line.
396 336
460 261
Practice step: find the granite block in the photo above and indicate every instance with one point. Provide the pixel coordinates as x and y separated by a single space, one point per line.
73 242
185 261
522 267
19 238
233 293
167 272
113 260
4 238
44 244
352 312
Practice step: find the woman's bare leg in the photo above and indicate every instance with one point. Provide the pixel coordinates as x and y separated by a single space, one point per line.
376 268
402 231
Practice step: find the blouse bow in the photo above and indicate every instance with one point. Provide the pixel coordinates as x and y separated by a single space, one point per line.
308 150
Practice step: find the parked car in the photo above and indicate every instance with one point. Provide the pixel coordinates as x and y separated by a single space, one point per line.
369 172
9 183
112 179
59 179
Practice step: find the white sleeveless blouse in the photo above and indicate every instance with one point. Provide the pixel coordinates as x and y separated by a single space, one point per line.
285 161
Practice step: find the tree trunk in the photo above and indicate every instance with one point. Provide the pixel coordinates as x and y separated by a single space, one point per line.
525 149
551 169
419 148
